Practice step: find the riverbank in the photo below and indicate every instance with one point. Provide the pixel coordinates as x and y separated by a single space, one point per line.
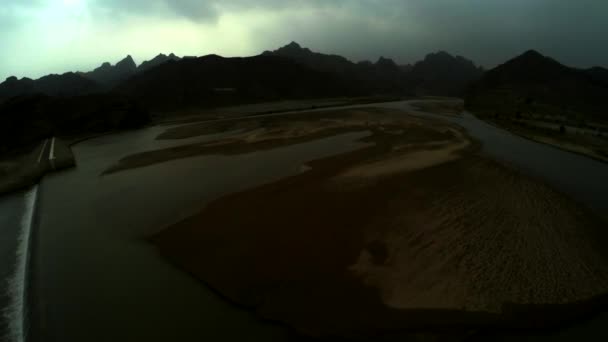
565 138
26 167
414 232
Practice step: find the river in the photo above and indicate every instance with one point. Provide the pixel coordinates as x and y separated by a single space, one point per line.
98 274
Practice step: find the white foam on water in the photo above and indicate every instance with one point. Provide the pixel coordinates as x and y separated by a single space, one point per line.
16 312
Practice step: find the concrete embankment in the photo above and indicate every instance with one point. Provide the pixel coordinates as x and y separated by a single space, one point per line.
24 171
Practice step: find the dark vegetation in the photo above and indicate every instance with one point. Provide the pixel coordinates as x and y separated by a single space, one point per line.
27 119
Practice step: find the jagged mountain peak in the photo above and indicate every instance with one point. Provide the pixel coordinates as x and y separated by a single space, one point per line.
293 45
127 63
532 54
158 60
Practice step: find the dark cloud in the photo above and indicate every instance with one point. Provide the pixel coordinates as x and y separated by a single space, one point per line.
192 9
11 12
490 32
486 31
205 10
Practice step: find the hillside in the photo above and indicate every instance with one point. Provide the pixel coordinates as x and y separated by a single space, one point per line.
438 74
213 81
68 84
533 84
100 80
315 60
156 61
110 75
384 76
443 74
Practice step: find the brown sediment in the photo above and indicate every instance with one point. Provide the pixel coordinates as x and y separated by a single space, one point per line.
459 243
228 146
271 132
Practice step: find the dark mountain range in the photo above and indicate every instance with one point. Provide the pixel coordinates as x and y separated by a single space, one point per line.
110 75
13 86
68 84
213 80
383 76
156 61
315 60
437 74
443 74
538 84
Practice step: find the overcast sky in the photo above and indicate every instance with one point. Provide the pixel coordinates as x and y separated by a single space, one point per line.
38 37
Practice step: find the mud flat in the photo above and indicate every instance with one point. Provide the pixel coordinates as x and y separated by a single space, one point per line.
254 134
415 232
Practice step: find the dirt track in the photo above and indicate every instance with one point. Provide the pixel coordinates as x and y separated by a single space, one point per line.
350 249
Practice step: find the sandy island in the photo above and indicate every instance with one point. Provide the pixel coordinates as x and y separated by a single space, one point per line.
416 231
